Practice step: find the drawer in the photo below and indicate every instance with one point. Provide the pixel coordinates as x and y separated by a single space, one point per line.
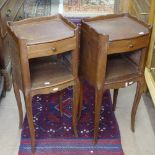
121 46
52 48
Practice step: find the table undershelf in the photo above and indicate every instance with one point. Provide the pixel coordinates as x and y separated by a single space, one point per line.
49 74
119 68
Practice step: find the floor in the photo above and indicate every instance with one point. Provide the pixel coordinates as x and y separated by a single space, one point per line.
142 142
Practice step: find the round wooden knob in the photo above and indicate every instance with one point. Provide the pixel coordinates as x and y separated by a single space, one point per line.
53 49
131 46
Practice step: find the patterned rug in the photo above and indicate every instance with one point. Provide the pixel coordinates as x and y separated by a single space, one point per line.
54 134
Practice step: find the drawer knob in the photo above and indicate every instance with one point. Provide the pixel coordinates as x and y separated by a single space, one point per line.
131 46
53 49
55 89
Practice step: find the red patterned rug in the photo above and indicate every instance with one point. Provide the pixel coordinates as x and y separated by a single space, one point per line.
54 133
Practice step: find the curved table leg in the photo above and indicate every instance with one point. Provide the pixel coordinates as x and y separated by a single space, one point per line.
76 93
80 100
115 99
28 103
19 104
98 103
139 91
61 102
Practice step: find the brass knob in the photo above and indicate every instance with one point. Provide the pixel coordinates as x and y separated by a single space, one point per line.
53 49
55 89
131 46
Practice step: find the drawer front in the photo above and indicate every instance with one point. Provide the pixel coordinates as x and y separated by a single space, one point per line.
128 45
53 48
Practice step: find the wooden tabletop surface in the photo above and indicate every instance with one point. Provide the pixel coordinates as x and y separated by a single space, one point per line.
43 31
119 28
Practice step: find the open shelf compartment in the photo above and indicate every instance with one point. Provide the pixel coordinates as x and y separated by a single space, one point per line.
49 72
122 66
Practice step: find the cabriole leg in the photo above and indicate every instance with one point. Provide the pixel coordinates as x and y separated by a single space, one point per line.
28 103
115 98
81 99
139 91
76 92
98 103
19 104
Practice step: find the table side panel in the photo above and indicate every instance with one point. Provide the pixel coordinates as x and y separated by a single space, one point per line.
16 63
89 56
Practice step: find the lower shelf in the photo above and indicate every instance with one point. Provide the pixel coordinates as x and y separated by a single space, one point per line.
49 74
119 68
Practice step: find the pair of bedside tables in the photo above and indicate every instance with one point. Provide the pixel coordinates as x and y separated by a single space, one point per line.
113 53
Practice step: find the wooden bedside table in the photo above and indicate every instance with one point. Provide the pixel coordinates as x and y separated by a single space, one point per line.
34 72
113 54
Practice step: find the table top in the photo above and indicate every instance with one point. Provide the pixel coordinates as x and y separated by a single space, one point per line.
41 31
119 27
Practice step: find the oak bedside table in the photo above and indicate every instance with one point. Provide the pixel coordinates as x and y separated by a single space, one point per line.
34 41
113 54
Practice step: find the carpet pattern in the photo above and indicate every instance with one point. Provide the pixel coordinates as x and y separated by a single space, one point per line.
54 133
